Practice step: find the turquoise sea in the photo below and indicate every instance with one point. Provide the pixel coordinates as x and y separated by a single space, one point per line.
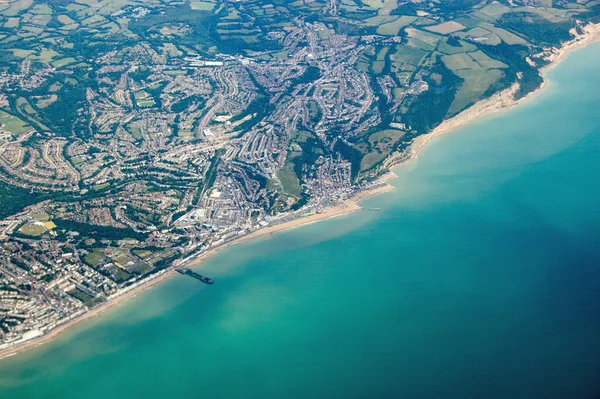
479 278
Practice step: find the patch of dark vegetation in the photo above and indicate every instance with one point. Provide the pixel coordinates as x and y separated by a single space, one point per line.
405 9
312 149
13 199
99 232
536 28
350 154
198 21
431 107
514 56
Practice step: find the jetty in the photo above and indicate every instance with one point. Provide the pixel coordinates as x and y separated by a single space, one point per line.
191 273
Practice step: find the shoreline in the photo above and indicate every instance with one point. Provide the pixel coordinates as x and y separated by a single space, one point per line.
55 332
503 100
500 101
348 206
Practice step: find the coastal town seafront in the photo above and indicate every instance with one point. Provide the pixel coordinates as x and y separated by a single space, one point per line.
477 278
139 137
284 222
504 100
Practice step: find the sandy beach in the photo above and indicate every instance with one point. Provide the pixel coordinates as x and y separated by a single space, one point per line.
90 314
499 102
346 207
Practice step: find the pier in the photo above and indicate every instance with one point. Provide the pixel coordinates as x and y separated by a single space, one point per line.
191 273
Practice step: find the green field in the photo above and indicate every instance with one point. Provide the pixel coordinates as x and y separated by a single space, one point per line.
95 257
475 85
460 61
63 62
486 62
85 298
65 19
101 187
380 145
289 182
393 28
12 124
144 100
33 229
44 102
40 217
142 253
408 55
446 27
202 5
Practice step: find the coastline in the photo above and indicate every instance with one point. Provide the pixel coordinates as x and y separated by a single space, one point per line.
35 342
503 100
346 207
498 102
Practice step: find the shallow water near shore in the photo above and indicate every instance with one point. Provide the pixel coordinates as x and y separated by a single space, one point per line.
479 278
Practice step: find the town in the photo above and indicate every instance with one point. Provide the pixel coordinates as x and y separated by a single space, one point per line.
136 135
